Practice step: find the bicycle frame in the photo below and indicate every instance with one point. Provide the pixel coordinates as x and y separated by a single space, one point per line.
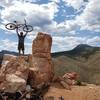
25 27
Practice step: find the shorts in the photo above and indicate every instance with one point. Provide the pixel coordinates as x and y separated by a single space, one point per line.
20 46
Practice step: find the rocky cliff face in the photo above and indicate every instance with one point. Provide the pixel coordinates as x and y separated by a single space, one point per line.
33 69
41 63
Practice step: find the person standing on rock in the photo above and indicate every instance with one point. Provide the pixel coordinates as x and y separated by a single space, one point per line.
21 35
21 38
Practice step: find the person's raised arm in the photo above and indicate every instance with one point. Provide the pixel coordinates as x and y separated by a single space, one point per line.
25 34
17 31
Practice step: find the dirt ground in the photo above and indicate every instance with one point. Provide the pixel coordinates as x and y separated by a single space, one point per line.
90 92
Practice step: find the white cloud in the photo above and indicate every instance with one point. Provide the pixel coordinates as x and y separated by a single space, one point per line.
35 14
10 45
67 42
63 28
7 44
76 4
31 37
93 41
90 18
67 26
28 48
5 3
39 16
57 1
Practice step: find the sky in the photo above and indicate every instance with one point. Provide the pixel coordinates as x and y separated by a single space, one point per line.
69 22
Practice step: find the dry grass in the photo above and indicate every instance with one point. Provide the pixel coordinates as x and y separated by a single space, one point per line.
89 69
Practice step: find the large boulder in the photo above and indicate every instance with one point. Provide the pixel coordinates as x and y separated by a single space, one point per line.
41 69
14 75
4 59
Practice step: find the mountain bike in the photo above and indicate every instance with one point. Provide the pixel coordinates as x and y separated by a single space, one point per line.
15 24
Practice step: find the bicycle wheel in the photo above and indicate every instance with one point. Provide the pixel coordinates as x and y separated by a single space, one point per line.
27 28
10 26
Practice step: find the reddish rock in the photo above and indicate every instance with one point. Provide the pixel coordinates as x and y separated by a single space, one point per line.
71 75
42 43
8 57
70 78
4 59
33 69
41 69
14 75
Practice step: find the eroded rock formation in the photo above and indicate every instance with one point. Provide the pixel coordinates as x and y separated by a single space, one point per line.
34 69
14 75
41 69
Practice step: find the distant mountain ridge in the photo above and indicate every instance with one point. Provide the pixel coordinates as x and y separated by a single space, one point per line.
76 51
3 52
82 50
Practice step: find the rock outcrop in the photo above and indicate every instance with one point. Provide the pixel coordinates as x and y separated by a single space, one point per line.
4 59
35 69
14 75
41 69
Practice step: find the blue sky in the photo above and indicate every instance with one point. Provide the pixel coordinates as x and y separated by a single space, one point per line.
69 22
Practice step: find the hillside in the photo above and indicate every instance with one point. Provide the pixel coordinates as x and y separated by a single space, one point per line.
83 59
83 50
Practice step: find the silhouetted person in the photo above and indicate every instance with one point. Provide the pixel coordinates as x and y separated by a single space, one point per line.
21 38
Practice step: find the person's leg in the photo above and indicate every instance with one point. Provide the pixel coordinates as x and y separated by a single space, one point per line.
19 51
23 48
23 52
